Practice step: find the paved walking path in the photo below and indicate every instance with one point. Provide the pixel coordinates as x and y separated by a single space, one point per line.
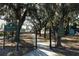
42 50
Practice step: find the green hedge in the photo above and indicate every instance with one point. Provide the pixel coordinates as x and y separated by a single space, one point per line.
2 34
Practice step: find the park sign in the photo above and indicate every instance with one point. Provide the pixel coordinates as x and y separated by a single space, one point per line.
10 27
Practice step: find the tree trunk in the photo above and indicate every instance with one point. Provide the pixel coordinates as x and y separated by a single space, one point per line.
40 29
4 41
50 36
67 28
17 37
60 25
45 32
58 37
58 42
54 32
39 32
59 33
36 38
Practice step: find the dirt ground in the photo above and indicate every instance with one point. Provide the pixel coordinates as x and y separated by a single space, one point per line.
25 46
71 41
70 45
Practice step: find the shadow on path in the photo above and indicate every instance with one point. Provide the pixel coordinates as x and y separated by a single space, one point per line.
66 51
37 52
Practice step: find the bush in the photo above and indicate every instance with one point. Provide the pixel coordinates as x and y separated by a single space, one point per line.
1 33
